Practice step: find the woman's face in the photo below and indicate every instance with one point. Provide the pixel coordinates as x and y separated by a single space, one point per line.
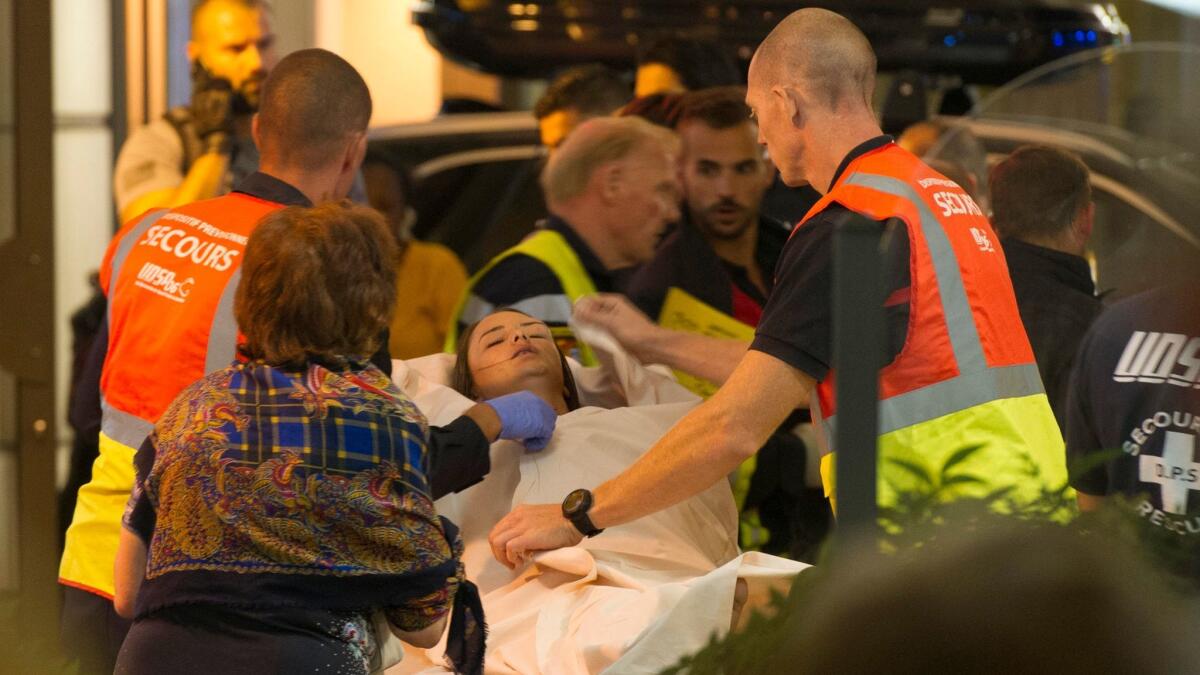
509 352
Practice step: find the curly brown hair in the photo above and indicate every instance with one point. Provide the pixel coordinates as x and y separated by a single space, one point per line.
317 284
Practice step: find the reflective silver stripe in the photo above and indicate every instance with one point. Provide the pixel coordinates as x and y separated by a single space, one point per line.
953 395
959 393
124 246
118 425
222 336
123 427
474 309
551 308
960 321
976 383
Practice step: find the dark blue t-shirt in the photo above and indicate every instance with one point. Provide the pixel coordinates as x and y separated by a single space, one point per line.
1135 399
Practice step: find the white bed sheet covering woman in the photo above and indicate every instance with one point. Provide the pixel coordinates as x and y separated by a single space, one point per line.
634 599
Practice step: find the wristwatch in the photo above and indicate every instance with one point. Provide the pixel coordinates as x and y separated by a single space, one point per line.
575 509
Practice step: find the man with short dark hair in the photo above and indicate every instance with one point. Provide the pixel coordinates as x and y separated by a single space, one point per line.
576 95
1043 212
170 276
724 252
723 255
200 150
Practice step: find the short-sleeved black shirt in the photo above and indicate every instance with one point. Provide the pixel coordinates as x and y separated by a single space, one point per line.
687 261
1133 417
797 322
1135 388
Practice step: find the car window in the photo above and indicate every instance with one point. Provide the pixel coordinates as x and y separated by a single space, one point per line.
1132 251
479 209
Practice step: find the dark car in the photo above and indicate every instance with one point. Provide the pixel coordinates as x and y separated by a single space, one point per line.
475 179
982 41
476 175
1127 112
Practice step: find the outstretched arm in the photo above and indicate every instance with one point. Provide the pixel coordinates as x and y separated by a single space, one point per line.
700 355
701 449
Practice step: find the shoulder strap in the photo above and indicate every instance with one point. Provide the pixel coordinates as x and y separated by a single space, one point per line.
548 247
180 119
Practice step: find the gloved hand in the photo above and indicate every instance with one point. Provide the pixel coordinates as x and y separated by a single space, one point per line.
525 417
212 108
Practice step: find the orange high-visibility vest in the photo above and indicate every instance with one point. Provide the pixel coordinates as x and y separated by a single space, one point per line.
966 375
170 277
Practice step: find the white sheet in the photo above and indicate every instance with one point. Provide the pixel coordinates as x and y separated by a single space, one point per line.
634 599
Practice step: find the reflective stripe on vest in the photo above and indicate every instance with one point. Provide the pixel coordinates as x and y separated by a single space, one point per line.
223 335
152 344
966 377
118 425
157 348
976 383
552 250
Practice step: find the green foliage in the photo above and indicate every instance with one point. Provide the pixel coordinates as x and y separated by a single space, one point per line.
925 514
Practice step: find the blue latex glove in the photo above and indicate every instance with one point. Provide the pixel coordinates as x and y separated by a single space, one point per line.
525 417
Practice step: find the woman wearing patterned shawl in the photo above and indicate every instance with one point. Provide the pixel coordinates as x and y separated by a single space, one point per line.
283 501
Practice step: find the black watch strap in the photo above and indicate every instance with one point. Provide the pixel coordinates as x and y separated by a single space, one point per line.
575 509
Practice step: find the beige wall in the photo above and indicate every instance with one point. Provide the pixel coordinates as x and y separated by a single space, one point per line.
406 75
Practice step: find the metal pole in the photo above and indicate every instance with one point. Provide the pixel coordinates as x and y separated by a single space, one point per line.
858 347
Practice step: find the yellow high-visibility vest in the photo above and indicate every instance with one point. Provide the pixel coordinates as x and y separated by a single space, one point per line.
552 250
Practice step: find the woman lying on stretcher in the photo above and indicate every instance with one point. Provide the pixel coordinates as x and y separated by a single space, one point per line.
512 351
638 596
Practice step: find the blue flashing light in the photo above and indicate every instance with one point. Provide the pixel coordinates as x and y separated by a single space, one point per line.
1079 36
1058 39
949 40
1091 36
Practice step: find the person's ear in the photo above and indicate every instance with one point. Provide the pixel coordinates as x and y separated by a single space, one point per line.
793 102
356 151
193 51
254 132
612 181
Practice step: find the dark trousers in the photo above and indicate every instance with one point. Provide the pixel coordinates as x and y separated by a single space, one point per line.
92 632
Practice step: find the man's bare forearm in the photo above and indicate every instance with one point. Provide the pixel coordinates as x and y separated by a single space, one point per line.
706 444
701 450
700 355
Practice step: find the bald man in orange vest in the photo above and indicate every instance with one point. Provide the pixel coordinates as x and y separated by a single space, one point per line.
961 373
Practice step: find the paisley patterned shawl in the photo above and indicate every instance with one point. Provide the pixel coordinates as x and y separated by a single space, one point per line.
273 488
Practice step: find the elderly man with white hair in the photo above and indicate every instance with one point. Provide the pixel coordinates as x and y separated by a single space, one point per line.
960 372
612 189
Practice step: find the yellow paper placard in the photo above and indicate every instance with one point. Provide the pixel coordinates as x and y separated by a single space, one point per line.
683 311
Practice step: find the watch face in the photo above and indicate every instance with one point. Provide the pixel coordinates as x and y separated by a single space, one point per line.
575 501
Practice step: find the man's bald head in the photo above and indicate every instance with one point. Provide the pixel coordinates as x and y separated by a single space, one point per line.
821 52
207 15
313 103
